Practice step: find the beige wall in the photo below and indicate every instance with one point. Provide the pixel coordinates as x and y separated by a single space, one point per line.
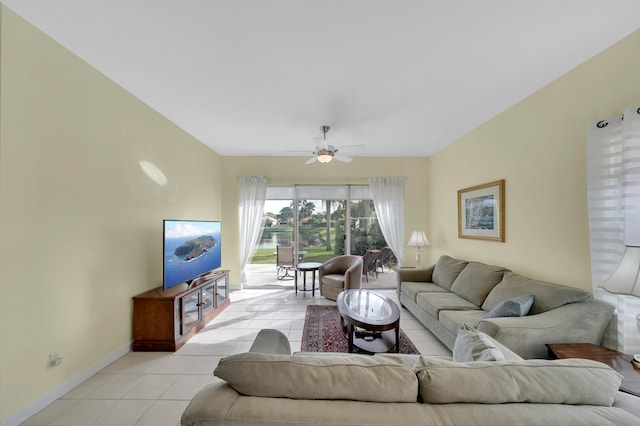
287 170
80 224
539 147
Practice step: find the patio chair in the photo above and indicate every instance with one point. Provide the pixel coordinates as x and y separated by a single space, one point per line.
370 264
384 259
285 262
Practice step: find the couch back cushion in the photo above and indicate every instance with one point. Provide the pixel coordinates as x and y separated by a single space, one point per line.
567 381
546 296
476 281
446 270
349 377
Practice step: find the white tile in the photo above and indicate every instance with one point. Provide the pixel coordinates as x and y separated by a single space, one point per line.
186 386
163 413
124 413
240 347
83 413
50 412
203 365
260 324
295 335
217 348
84 389
134 362
117 386
152 386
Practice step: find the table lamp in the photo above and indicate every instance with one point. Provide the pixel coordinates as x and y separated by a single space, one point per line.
626 279
418 239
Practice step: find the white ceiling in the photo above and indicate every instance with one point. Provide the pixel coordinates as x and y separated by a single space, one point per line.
403 77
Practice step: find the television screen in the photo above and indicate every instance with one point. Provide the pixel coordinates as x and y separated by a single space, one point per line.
191 248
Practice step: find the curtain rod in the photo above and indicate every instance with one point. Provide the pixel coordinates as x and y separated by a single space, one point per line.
316 178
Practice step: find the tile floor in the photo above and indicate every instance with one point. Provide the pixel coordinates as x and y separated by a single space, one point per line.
154 388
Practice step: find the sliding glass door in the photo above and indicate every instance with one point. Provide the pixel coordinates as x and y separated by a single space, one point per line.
319 221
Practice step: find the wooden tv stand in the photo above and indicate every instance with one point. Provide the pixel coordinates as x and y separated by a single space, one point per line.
166 320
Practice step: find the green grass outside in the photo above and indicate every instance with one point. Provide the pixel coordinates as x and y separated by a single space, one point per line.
267 256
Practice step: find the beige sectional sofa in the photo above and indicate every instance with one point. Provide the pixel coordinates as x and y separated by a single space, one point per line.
453 292
265 388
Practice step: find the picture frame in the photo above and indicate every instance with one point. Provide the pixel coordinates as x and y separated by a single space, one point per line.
481 211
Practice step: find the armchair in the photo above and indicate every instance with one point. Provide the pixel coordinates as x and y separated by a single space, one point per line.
338 274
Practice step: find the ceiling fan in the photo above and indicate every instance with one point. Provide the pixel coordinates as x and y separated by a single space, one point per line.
325 152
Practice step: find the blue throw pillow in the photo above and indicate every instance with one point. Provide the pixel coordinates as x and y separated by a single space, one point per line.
516 307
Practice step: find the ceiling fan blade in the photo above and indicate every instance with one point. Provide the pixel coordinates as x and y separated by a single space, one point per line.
311 160
343 158
350 147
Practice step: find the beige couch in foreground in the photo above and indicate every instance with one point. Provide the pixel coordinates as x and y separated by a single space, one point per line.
453 292
262 388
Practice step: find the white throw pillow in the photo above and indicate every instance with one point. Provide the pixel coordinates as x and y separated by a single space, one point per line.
474 345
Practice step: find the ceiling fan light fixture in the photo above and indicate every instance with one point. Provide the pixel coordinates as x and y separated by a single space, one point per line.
324 157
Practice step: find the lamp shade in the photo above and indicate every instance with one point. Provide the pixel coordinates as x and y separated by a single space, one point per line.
418 239
625 278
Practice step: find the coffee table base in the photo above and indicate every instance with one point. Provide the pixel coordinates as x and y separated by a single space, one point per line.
375 342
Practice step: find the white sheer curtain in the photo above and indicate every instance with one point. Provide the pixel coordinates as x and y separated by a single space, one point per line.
388 198
253 192
613 181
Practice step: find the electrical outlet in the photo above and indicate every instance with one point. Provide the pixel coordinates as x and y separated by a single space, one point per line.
55 359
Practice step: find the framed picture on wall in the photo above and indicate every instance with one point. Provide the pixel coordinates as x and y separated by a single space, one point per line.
481 212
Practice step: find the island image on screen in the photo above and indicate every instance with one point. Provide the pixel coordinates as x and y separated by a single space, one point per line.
191 248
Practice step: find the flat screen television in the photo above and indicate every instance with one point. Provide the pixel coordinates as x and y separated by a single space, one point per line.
191 248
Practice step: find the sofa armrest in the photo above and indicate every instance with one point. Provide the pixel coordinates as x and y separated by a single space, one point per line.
353 276
415 274
271 341
580 322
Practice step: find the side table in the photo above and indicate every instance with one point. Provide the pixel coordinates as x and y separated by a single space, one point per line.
617 360
305 267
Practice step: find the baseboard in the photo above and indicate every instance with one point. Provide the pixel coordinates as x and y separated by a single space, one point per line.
51 396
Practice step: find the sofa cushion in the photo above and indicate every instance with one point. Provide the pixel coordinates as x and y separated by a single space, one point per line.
411 289
518 306
546 296
453 320
567 381
433 303
349 377
474 345
476 281
446 270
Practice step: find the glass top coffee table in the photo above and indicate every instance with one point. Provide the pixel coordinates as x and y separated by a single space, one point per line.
370 320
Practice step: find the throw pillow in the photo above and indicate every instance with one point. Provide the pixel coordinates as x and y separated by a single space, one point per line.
515 307
474 345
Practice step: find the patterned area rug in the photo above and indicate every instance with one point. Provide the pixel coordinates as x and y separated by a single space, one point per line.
323 332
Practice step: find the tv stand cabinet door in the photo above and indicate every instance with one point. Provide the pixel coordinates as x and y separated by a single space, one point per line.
155 324
191 308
